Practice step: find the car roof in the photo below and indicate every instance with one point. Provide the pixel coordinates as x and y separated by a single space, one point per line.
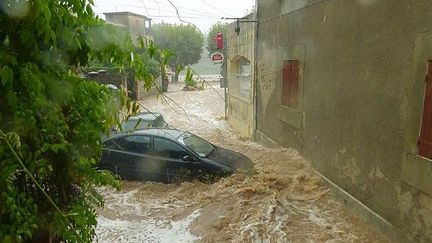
146 116
111 86
169 133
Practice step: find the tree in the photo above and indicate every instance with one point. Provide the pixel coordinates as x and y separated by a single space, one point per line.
51 120
211 43
185 41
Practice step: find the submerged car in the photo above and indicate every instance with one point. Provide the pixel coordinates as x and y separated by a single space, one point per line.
169 155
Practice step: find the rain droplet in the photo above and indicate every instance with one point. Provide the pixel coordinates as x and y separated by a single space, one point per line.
15 8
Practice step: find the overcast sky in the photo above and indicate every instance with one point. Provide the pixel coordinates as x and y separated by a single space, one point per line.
202 13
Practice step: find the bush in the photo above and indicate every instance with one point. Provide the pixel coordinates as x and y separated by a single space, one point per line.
51 120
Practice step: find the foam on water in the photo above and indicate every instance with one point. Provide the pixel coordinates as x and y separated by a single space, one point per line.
146 230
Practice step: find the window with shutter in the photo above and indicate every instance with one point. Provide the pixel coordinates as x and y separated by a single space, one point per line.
425 140
290 83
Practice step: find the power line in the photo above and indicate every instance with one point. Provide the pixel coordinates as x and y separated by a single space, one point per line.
142 1
183 7
148 8
183 17
175 16
213 7
191 10
178 14
157 4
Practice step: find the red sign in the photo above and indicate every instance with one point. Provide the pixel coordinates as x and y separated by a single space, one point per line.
217 57
219 40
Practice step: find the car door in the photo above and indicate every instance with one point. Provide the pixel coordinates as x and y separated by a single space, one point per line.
172 156
135 164
108 159
131 157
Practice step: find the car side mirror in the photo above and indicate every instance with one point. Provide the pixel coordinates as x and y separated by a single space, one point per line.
188 158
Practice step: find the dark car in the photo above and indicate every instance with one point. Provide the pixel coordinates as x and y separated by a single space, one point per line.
169 155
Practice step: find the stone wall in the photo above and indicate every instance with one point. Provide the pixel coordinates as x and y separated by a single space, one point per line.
135 89
241 74
361 85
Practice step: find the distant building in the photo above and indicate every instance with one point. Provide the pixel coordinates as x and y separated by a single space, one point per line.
138 25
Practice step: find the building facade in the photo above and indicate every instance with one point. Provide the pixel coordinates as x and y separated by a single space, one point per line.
343 82
138 25
241 75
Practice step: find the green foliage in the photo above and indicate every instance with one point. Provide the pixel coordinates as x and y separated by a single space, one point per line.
163 57
186 42
51 120
152 65
189 78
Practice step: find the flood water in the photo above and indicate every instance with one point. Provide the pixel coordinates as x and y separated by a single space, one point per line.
285 201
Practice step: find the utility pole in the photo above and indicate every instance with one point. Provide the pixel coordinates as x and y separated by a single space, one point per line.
241 20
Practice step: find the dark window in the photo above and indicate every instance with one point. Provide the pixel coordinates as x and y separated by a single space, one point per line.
112 144
168 149
134 124
290 83
425 141
137 144
198 145
159 122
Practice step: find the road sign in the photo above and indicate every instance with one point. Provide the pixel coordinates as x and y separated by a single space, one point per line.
217 57
219 41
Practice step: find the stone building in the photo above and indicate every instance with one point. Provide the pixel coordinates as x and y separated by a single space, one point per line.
241 74
138 25
343 82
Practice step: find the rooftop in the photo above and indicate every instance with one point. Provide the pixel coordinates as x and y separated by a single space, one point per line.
127 13
146 116
161 132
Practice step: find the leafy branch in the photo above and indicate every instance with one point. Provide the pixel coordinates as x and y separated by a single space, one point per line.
15 140
51 119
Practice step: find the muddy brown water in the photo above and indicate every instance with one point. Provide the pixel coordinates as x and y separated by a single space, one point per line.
285 201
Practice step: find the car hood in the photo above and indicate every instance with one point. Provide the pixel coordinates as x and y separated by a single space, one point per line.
231 159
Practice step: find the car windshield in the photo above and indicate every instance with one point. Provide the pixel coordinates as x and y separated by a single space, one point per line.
131 125
198 145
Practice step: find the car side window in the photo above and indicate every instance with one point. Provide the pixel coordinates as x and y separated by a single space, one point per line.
159 122
137 143
168 149
113 144
135 124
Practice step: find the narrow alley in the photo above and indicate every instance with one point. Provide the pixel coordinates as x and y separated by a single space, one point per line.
285 201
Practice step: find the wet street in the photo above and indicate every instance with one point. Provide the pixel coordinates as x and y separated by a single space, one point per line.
285 201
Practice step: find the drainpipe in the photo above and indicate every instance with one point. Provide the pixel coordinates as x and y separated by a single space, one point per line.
255 78
225 80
